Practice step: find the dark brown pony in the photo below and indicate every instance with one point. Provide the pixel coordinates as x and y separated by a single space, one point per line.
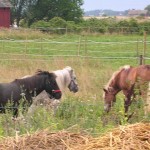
27 88
125 80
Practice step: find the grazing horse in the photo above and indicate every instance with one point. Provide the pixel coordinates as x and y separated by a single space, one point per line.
27 88
125 80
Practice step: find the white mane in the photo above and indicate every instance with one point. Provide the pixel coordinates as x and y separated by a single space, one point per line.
126 67
63 77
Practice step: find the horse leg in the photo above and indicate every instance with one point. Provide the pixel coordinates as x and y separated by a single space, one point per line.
127 100
2 108
15 109
128 94
127 103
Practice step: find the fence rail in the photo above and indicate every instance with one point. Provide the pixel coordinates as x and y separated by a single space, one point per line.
10 49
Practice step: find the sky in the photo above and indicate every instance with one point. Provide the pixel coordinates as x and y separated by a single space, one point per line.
119 5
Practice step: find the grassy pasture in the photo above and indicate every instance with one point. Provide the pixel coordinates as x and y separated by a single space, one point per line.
94 59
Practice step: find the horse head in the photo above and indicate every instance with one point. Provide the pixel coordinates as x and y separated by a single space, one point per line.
51 86
109 98
73 85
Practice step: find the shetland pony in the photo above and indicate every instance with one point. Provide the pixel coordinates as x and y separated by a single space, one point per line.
27 88
125 80
66 78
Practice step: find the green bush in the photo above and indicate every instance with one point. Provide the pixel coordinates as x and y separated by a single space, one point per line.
93 25
40 24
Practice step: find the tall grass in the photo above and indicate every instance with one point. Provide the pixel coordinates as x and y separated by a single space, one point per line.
80 112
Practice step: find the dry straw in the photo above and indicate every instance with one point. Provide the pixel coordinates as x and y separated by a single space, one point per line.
131 137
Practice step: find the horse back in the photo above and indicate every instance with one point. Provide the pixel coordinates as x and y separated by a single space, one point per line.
127 78
143 72
9 91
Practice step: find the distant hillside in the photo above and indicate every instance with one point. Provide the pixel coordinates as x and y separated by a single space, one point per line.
105 12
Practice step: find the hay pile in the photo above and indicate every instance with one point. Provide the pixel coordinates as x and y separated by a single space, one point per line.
43 141
131 137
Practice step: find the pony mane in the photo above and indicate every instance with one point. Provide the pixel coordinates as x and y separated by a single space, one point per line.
63 77
41 72
31 80
126 67
68 68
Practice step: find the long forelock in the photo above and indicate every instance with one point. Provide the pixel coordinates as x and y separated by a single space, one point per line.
68 68
62 78
126 67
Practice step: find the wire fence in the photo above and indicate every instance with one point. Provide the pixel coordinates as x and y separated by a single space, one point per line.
136 49
43 49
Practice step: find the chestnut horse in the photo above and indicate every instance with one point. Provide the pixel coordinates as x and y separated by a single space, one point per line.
125 80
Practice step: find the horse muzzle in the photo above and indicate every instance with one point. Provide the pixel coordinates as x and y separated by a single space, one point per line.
76 89
73 89
56 94
106 108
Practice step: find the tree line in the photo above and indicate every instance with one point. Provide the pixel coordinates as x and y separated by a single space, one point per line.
107 25
48 14
31 11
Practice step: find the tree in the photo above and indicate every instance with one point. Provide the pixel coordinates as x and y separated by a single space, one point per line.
148 9
68 10
17 10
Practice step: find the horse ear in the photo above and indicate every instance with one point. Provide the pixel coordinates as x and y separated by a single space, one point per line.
105 90
38 71
69 69
53 75
110 89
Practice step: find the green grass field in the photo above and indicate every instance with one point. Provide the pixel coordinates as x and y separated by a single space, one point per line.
94 59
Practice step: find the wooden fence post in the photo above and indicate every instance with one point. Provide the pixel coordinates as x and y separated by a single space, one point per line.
85 45
144 49
137 49
79 46
66 30
141 60
41 50
3 44
26 40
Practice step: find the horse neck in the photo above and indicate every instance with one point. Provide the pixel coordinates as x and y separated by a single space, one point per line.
63 78
34 83
113 83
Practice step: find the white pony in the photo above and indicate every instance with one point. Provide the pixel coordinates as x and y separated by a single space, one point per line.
66 78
